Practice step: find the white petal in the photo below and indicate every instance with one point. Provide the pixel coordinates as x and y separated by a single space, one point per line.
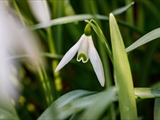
70 54
40 9
96 62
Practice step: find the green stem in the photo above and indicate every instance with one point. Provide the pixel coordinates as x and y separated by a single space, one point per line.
18 12
50 41
58 10
104 58
57 79
141 21
130 20
43 84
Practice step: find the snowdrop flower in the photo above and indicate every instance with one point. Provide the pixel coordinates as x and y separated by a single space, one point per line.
86 51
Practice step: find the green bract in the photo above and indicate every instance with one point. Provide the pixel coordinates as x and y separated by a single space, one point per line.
87 30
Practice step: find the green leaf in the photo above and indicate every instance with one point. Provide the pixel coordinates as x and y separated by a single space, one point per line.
52 111
68 19
49 55
122 9
6 107
122 73
76 101
81 17
144 93
6 115
86 102
100 104
154 34
78 105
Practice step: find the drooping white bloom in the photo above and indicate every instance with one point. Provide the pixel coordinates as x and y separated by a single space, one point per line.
86 51
40 10
13 40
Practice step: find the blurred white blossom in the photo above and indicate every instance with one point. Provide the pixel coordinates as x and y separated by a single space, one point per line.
40 10
13 40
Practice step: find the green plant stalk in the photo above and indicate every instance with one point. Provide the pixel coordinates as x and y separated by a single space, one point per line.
94 10
122 74
43 84
57 78
50 41
141 21
58 10
130 20
101 48
101 36
18 12
129 13
105 7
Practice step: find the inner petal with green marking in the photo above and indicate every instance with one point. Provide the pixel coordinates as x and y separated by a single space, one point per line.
82 57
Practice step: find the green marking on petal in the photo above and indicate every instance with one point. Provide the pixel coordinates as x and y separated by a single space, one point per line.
82 57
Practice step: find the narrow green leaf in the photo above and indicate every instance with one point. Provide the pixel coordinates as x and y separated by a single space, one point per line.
144 93
154 34
100 105
122 9
122 73
81 17
48 55
52 111
68 19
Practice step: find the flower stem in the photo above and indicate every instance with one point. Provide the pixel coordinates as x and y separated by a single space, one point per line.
57 79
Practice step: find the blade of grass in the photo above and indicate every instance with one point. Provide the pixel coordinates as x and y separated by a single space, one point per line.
122 9
145 93
154 34
122 74
80 17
